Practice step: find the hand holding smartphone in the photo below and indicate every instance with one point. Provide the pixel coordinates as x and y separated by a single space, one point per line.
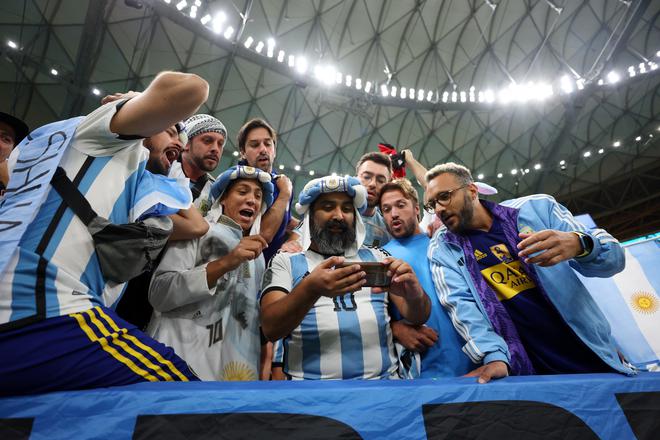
376 273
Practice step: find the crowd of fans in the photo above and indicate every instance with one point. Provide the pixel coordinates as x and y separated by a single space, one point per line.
130 262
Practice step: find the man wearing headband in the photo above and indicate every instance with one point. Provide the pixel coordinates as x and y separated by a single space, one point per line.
204 292
257 144
313 297
437 341
201 156
505 273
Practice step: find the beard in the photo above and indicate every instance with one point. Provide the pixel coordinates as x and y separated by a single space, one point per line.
155 166
465 216
332 243
408 228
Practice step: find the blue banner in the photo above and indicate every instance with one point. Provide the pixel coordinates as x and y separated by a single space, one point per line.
39 154
608 406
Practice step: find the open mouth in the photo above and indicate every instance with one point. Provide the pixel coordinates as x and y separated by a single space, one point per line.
171 154
396 223
246 213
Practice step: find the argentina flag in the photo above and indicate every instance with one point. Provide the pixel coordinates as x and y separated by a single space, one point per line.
630 300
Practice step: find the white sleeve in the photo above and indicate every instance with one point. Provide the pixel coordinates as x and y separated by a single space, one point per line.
278 275
177 281
93 135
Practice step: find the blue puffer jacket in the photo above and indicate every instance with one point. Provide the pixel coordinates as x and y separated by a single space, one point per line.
457 280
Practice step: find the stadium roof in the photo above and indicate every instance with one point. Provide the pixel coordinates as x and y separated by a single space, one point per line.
559 97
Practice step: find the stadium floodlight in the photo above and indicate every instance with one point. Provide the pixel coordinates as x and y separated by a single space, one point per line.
384 91
445 96
657 54
367 86
463 96
297 167
249 41
411 93
281 167
499 175
566 84
229 33
653 65
480 96
358 83
338 77
301 64
420 95
526 170
562 162
218 21
580 83
393 92
429 96
601 151
642 68
616 144
280 56
167 1
235 153
205 19
259 47
480 176
182 4
537 166
12 44
348 80
613 77
54 72
514 171
638 138
587 154
96 91
193 12
601 82
454 96
311 172
270 47
198 3
631 71
489 96
292 61
402 93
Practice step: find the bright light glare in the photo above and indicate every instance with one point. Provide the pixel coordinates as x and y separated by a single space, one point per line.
259 47
292 61
566 84
613 77
537 166
616 144
182 4
96 91
358 83
367 86
12 44
514 171
205 19
499 175
480 176
280 56
301 64
587 154
349 80
54 72
281 167
218 21
297 167
248 42
325 74
229 32
384 91
311 172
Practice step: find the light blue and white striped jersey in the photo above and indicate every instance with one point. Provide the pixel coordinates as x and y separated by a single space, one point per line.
346 337
376 230
54 270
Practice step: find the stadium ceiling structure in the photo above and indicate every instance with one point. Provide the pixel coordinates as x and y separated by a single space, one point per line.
559 97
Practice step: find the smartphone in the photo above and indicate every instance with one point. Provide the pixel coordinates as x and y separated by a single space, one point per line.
376 273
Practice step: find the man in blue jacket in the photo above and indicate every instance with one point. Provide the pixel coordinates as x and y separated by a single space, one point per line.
504 272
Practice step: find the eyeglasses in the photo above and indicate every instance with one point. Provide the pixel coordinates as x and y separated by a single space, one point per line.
442 199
